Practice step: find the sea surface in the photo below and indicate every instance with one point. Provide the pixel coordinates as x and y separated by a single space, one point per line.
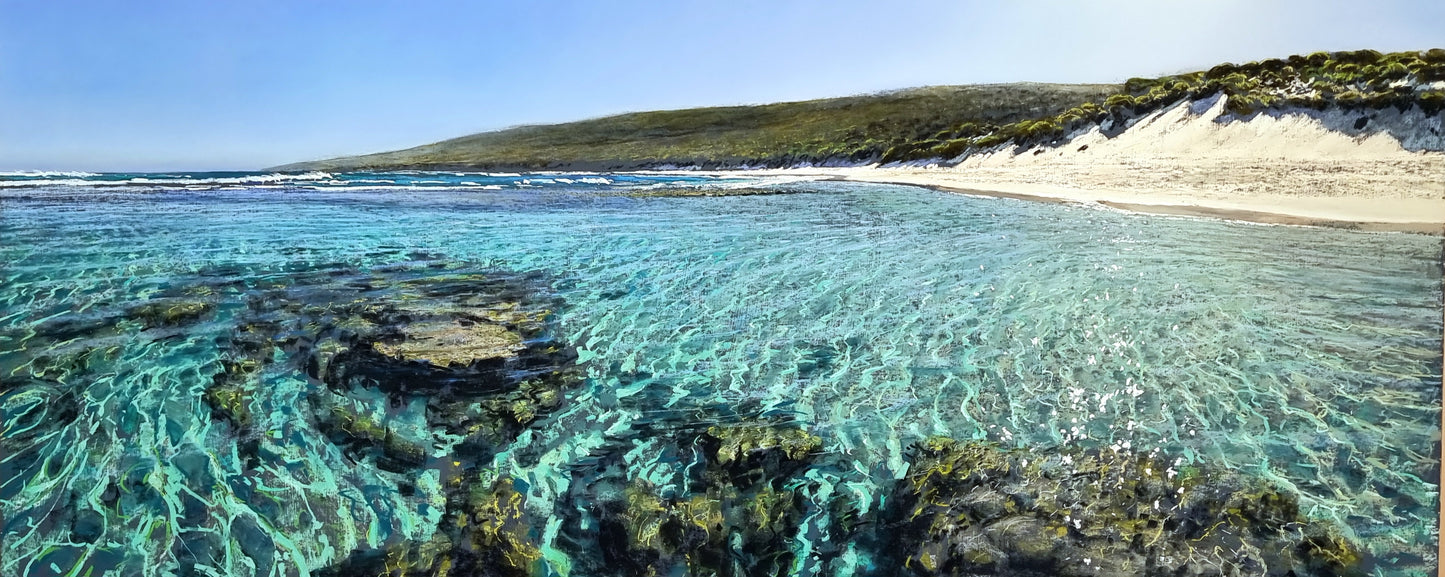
872 317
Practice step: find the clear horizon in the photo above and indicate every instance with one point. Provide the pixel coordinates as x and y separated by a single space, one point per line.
172 85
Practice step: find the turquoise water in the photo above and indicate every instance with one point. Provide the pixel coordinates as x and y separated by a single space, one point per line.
872 316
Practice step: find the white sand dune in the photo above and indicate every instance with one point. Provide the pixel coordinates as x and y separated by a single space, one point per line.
1385 172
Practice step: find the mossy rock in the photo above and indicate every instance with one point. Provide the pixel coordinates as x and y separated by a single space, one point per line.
232 402
229 394
487 532
720 531
735 442
735 514
751 453
975 508
504 536
452 342
170 313
339 418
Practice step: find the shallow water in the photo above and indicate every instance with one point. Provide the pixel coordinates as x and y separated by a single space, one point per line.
872 316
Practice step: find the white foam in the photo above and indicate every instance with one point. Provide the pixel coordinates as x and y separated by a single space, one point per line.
50 182
47 173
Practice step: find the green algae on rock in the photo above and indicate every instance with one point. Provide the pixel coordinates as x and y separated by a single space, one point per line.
169 313
737 519
487 533
416 374
229 394
444 343
975 508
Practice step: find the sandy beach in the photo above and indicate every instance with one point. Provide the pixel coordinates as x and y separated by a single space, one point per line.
1304 168
1219 190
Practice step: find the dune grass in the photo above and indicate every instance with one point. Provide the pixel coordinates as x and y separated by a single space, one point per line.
1355 80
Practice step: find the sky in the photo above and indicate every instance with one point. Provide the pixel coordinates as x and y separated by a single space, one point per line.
113 85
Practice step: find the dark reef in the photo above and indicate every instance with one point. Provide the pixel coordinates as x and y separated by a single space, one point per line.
399 358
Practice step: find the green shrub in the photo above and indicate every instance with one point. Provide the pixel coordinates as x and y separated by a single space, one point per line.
1274 65
1350 100
952 148
968 129
1138 85
1221 70
1242 105
991 140
1119 101
1313 102
1431 101
1434 56
1433 72
1237 81
1360 57
894 154
1386 99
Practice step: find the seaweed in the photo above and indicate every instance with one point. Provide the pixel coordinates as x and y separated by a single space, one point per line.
975 508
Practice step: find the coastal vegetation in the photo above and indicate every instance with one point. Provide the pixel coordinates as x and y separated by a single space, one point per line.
939 123
1351 81
852 129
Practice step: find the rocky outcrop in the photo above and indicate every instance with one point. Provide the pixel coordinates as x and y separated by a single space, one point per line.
976 509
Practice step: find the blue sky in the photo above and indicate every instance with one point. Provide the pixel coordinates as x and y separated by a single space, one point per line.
218 84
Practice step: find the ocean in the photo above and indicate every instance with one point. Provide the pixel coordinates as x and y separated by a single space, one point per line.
246 374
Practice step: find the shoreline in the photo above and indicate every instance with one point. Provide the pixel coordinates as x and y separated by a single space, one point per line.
1195 158
1390 215
1146 194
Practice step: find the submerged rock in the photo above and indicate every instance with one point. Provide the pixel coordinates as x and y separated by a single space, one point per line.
417 374
976 509
452 342
753 453
229 396
487 533
30 408
739 518
170 312
350 424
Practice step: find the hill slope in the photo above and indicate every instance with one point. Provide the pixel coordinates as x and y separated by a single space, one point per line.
944 124
849 129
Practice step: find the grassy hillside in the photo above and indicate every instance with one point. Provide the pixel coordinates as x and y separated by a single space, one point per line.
852 129
940 122
1352 81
